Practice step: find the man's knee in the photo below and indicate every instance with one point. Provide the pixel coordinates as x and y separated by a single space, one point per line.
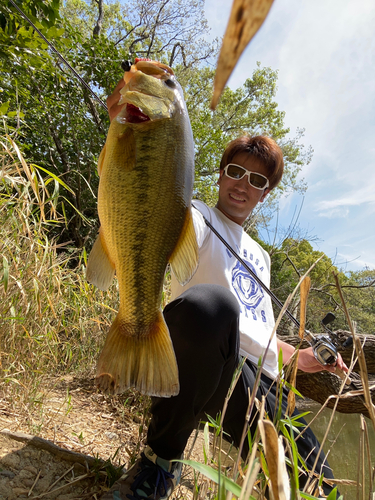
204 310
205 301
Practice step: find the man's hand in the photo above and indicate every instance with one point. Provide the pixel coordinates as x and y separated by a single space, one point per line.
308 363
112 100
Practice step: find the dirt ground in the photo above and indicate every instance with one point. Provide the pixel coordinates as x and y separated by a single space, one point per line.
72 415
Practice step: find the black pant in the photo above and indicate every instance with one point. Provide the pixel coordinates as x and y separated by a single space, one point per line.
203 323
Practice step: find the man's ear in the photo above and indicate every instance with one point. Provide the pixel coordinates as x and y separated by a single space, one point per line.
221 172
265 193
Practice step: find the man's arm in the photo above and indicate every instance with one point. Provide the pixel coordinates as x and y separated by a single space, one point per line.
306 359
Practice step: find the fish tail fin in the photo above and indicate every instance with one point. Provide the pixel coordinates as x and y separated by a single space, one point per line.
144 360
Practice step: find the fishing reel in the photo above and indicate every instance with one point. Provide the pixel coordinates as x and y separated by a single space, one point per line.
325 346
324 350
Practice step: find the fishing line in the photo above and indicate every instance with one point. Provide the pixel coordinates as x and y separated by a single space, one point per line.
249 270
59 55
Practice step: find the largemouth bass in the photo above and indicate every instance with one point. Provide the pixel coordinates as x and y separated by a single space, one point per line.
146 173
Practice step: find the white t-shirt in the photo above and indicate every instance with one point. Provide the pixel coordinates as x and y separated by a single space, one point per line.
218 266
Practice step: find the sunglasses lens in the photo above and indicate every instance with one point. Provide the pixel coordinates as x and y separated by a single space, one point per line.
235 172
258 181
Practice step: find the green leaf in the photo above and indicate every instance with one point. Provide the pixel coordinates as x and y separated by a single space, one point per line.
213 475
293 389
57 179
332 495
206 442
295 455
4 107
280 360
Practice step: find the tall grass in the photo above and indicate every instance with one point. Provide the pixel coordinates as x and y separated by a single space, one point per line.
51 320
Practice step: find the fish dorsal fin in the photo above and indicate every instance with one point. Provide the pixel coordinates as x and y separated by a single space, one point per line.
100 269
185 257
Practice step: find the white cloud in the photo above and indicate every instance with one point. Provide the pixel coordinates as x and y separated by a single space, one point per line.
334 213
343 202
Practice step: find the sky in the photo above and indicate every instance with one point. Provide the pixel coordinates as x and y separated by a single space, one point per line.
324 51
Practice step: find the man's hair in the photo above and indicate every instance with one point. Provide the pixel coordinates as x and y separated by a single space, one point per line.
261 147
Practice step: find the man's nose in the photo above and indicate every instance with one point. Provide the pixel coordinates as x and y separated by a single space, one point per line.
243 183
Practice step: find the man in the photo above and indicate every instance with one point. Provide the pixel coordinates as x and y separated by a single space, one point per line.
219 316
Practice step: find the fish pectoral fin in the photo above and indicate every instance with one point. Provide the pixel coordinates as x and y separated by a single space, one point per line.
141 359
185 257
100 269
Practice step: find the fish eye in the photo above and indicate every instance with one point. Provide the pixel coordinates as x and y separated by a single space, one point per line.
171 83
126 65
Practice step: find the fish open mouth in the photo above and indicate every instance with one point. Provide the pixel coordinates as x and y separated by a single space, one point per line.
134 114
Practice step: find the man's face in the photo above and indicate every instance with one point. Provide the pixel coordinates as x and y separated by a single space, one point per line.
237 198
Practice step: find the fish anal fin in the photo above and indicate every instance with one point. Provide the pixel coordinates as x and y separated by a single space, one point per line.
145 360
185 257
100 269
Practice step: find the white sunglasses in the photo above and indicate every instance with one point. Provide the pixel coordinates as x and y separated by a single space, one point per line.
236 172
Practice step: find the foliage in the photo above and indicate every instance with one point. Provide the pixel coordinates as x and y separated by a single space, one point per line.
43 14
261 474
51 319
359 293
291 261
61 127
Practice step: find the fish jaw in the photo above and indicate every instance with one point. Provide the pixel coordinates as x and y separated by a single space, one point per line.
151 107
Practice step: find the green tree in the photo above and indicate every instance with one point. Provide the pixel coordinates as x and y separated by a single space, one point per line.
61 127
358 288
292 260
289 263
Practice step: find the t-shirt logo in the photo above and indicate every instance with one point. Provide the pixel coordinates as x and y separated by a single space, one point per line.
247 289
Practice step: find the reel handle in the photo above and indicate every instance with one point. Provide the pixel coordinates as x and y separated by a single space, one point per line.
342 375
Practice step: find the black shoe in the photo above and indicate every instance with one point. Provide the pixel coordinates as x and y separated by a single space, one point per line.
150 477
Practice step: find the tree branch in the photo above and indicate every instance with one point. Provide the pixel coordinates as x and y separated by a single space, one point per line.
349 286
99 22
173 54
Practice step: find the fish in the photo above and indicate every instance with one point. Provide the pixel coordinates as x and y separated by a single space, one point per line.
245 19
146 171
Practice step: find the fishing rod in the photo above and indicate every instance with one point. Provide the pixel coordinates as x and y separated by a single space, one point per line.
323 347
59 55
